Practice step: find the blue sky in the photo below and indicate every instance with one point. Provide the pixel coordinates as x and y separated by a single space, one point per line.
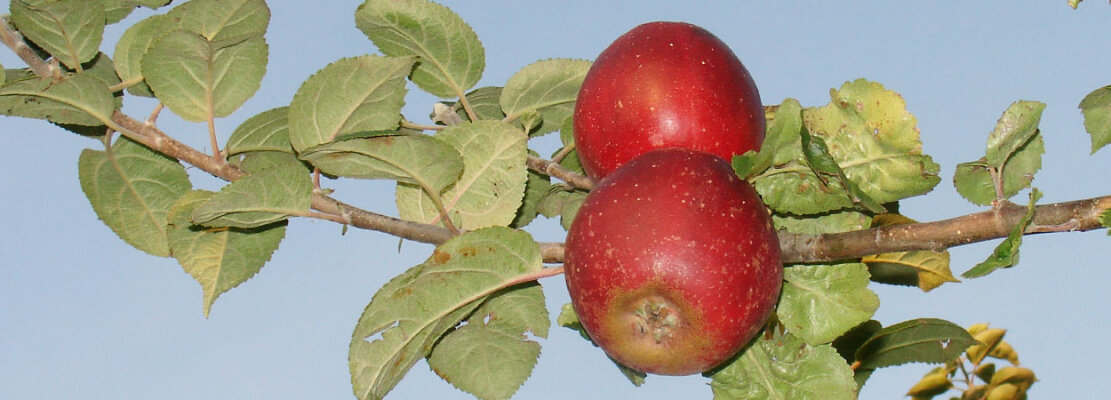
82 313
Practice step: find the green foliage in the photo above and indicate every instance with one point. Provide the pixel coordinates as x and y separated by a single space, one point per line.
547 87
261 198
416 308
267 131
131 189
782 366
492 185
221 258
452 58
926 340
1096 108
1014 154
352 95
71 31
926 269
1006 253
821 302
80 100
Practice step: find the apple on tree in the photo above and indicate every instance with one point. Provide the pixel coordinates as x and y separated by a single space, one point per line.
665 84
672 263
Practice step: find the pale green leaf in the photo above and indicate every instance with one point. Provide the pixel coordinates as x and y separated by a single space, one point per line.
1096 108
199 80
257 161
821 302
490 357
794 189
1014 130
784 367
219 259
568 319
842 221
71 31
80 99
131 188
548 87
413 310
266 131
492 185
563 202
351 95
116 10
1105 220
223 22
816 152
924 340
974 182
1005 254
874 139
258 199
926 269
782 134
415 159
570 160
451 57
131 48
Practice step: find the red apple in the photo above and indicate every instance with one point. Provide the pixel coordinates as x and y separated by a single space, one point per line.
665 84
672 263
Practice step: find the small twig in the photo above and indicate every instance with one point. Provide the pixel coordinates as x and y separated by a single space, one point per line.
421 127
552 168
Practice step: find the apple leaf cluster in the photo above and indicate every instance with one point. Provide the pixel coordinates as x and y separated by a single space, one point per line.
834 168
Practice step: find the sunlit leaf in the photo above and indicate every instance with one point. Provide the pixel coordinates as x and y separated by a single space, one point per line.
1006 253
1013 131
351 95
71 31
131 188
80 99
926 269
548 87
415 309
490 356
821 302
826 168
785 367
934 383
452 58
219 259
1096 108
492 185
258 199
198 80
415 159
782 133
266 131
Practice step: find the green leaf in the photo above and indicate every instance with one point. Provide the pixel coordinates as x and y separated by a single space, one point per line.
350 95
568 319
131 48
219 259
490 356
1096 108
199 80
821 302
850 341
785 367
536 187
1105 220
492 185
1006 253
116 10
563 202
549 87
412 311
223 22
266 131
842 221
71 31
1013 131
451 56
80 99
258 199
131 188
874 139
570 160
257 161
924 340
414 159
825 167
782 134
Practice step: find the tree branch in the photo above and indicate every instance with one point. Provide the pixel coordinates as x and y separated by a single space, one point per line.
552 168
